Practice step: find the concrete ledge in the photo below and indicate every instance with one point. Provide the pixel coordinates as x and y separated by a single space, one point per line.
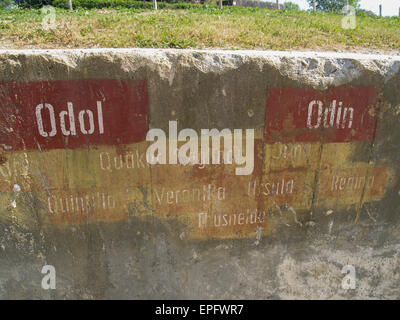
77 191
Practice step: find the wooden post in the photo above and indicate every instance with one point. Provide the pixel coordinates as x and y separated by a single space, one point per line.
220 4
155 4
380 10
314 6
70 4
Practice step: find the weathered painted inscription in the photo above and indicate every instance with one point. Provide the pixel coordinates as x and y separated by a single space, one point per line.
85 149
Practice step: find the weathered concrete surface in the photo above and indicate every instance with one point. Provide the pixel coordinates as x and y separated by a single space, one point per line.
324 192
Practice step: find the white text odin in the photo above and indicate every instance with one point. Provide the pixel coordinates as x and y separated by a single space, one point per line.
332 116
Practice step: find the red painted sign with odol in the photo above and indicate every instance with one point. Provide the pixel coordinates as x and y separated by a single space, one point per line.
72 114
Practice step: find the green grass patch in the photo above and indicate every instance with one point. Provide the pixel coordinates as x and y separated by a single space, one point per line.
123 23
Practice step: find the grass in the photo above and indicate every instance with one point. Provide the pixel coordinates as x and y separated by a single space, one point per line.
196 27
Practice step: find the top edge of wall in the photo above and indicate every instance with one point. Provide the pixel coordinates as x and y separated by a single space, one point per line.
255 53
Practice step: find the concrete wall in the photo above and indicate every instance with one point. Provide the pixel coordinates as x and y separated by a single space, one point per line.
77 192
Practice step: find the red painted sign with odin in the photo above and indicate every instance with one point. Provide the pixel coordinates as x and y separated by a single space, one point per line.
340 114
72 114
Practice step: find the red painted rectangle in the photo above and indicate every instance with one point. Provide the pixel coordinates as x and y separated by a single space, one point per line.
339 114
72 114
